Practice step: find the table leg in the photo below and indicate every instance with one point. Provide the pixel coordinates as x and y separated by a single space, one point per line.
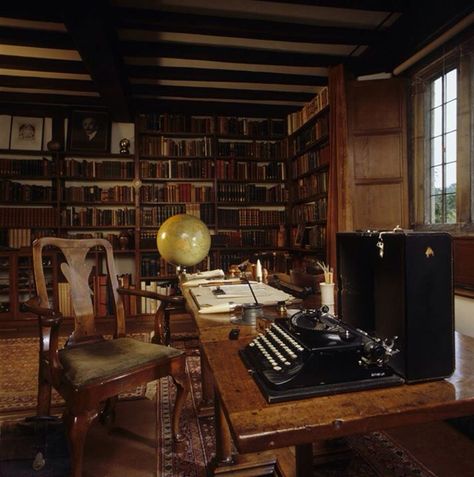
206 406
224 454
304 460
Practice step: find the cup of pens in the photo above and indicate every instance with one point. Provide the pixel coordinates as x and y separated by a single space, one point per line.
327 287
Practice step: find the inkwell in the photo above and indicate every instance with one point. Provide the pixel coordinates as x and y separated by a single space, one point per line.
250 311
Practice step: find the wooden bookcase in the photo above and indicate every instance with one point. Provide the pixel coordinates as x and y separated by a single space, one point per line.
230 172
308 164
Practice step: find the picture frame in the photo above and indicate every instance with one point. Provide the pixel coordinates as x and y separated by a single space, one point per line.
26 133
89 131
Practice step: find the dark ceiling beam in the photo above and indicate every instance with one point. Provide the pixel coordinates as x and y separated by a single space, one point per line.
221 93
40 11
42 64
154 20
36 38
374 5
46 83
88 22
227 54
63 100
205 74
413 31
214 107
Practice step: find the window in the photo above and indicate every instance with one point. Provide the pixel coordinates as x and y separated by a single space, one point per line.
443 153
442 141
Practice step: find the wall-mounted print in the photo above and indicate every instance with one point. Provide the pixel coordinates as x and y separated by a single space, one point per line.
89 131
26 133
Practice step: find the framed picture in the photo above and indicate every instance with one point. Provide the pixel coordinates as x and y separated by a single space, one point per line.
89 131
26 133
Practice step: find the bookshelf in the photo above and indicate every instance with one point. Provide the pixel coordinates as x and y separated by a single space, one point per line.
308 164
228 171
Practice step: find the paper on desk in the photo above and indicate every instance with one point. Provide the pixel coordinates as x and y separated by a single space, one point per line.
208 282
237 294
217 273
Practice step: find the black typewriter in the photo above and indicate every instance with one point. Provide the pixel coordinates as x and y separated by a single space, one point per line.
314 354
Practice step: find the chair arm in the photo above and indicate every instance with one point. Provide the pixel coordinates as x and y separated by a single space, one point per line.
49 321
171 300
47 316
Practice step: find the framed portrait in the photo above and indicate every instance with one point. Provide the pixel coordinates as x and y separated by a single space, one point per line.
89 131
26 133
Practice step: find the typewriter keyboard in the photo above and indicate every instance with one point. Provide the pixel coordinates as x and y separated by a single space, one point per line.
276 350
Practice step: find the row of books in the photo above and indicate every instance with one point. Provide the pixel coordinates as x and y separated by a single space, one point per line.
155 216
252 149
113 238
250 127
27 217
249 217
177 169
149 305
17 192
98 194
97 169
94 217
249 238
311 212
178 123
235 192
165 146
309 161
182 192
312 237
308 186
156 266
309 136
27 167
19 238
253 171
311 108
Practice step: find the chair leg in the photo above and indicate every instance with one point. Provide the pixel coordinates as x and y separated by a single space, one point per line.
107 416
182 386
76 429
43 407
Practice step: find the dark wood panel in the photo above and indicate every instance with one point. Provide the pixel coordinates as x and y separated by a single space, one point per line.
376 5
463 250
37 99
36 38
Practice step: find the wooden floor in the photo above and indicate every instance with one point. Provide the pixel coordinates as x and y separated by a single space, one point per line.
129 449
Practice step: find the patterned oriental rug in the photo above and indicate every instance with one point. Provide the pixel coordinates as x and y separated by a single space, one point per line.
373 455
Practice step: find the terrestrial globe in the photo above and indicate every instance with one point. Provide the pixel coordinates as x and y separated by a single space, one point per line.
183 240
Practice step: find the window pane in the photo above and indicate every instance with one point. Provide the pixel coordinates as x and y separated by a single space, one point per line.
451 85
450 200
451 152
437 92
450 116
436 180
436 121
450 177
436 151
436 209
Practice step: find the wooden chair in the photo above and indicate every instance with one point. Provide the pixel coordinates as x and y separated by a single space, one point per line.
90 371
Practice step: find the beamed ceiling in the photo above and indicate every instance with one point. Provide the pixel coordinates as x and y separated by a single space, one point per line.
230 57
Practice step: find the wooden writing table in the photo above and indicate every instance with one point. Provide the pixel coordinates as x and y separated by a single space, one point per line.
257 426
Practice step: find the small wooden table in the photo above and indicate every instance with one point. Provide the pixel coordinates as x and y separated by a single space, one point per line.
256 425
